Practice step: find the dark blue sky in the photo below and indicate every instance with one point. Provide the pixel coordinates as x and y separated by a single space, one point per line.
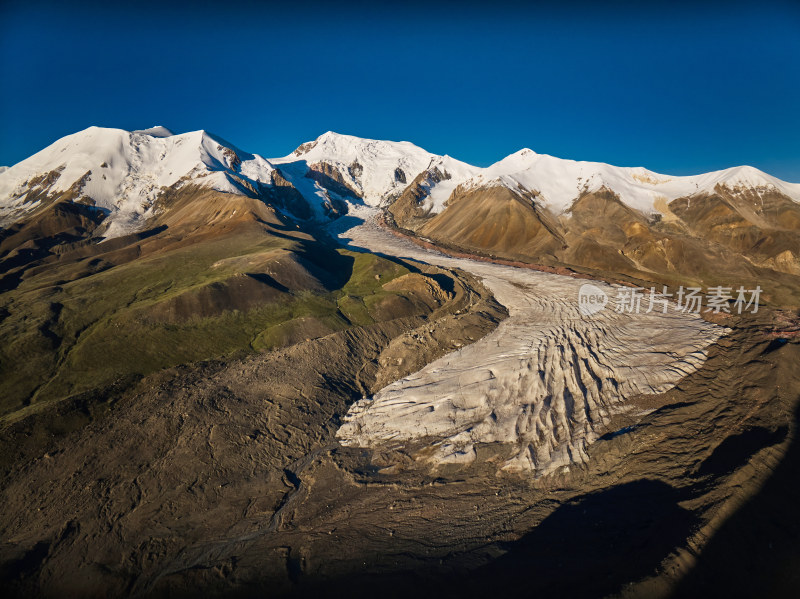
678 89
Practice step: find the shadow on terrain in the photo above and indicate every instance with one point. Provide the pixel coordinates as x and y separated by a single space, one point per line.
594 546
756 552
588 548
326 264
348 222
734 451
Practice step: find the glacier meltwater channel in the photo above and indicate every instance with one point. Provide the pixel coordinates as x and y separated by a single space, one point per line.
546 380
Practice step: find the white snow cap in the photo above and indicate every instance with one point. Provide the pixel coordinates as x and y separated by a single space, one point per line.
558 182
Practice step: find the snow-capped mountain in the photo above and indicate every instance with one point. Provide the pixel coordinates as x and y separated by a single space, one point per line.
372 169
122 173
557 183
369 171
377 171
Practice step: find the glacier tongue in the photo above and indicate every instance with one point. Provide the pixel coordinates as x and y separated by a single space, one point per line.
546 380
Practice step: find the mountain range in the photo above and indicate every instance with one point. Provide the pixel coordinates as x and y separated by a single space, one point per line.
730 227
123 172
223 373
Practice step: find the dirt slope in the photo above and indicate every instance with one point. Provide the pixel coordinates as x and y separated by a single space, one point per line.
719 239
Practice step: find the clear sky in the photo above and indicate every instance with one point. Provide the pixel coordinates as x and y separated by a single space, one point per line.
677 88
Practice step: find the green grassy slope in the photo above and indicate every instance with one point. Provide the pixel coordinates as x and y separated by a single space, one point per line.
199 289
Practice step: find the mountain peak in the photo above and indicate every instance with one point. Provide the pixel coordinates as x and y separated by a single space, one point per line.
343 142
333 136
373 168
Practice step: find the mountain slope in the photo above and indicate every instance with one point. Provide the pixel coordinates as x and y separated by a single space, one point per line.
704 240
